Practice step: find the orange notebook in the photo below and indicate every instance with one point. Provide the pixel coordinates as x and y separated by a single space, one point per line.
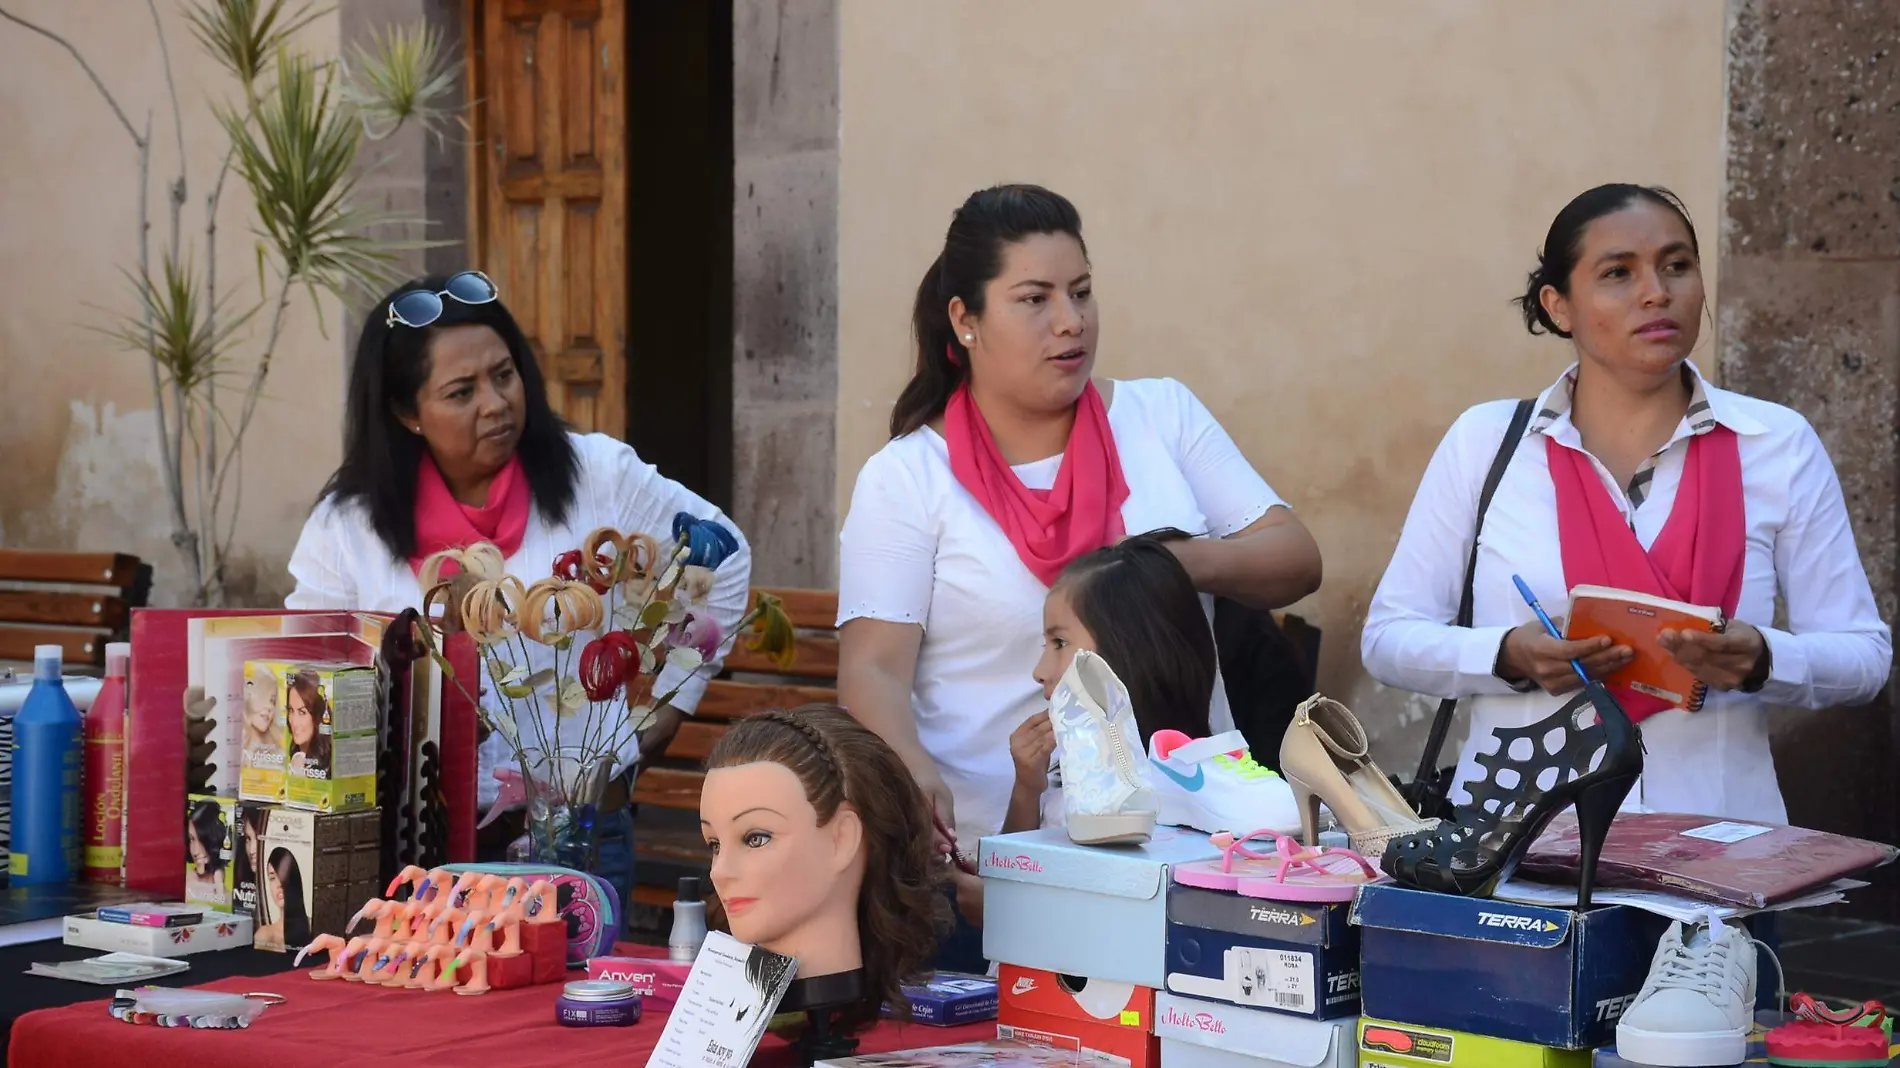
1634 619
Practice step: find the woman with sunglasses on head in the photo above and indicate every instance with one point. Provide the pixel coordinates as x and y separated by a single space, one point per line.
449 440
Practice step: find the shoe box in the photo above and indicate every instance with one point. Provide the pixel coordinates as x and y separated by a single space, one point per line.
1301 959
1204 1034
1098 911
1545 976
1043 1008
1385 1044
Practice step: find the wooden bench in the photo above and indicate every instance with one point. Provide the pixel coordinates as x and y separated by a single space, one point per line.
666 838
77 601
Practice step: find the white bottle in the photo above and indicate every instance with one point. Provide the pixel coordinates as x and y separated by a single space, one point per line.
689 922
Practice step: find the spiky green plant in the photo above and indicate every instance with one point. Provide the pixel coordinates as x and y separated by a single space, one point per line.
398 79
246 35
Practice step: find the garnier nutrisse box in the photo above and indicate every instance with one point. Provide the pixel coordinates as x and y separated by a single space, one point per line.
330 714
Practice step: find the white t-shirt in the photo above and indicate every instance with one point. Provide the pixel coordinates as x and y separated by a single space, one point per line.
918 548
340 563
1834 650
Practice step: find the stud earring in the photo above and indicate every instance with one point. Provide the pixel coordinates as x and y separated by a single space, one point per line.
967 338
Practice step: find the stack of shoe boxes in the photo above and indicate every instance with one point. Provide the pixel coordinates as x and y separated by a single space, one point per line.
1080 936
1254 982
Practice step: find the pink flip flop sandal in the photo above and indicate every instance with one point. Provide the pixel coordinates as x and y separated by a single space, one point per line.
1308 875
1236 861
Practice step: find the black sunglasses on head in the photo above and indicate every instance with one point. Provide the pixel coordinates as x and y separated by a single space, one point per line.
418 308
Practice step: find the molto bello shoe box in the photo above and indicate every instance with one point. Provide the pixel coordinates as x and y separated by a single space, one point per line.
1098 911
1294 958
1549 977
1202 1034
1040 1008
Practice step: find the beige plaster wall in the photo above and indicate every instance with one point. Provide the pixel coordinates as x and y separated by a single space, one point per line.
77 429
1311 213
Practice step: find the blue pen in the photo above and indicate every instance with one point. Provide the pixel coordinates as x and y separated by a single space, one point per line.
1549 627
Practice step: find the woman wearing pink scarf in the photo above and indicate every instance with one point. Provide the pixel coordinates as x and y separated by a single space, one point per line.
1635 472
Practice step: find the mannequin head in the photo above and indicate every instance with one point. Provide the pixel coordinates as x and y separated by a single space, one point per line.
822 848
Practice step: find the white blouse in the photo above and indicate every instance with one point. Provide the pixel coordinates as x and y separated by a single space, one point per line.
1834 650
918 548
340 563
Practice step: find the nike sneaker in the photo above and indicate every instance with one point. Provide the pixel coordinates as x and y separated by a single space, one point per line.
1214 785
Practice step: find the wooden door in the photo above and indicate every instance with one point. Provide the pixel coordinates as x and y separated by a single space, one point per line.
548 185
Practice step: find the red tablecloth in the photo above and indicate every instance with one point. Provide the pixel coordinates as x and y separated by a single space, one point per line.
324 1024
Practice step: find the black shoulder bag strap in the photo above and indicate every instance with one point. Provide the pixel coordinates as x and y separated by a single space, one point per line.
1428 786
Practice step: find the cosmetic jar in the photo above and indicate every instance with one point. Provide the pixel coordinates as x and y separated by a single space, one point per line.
597 1003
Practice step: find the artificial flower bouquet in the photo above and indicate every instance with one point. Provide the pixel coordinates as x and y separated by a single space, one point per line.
597 648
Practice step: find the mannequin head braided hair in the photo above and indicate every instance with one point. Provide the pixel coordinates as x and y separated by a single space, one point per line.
902 911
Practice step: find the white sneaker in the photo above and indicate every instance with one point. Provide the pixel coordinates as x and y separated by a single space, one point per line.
1103 798
1698 1002
1214 785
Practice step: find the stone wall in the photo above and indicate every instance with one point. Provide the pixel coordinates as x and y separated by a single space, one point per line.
785 286
1810 317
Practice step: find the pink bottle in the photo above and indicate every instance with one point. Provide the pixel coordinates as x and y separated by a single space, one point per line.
102 801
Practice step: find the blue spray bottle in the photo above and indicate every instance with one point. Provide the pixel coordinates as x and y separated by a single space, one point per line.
48 747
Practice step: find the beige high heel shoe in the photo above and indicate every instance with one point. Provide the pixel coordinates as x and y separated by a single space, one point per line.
1323 758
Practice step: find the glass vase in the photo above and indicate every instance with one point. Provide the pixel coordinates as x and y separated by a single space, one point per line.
564 789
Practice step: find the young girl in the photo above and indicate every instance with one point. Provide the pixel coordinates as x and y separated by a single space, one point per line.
1134 605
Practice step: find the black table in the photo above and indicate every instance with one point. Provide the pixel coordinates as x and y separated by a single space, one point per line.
21 993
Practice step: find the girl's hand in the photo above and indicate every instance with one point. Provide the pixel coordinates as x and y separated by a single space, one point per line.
1724 661
1030 746
1529 653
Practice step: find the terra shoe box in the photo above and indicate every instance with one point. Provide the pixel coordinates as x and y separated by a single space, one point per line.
1041 1008
1201 1034
1049 903
1550 977
1301 959
1383 1044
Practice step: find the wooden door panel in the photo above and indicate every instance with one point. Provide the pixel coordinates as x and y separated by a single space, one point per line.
549 218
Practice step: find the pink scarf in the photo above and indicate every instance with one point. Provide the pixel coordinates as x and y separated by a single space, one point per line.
442 522
1082 512
1696 558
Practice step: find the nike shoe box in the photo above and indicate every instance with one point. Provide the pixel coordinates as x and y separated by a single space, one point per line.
1281 956
1098 911
1201 1034
1544 976
1042 1008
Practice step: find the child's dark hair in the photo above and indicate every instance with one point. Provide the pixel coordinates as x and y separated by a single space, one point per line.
1137 601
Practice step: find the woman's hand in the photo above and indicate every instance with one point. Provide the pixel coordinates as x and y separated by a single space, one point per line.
969 897
1529 653
1030 746
1724 661
659 733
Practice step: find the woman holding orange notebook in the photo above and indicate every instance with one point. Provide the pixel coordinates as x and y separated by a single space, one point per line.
1635 474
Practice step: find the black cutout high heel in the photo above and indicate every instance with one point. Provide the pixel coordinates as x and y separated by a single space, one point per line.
1593 768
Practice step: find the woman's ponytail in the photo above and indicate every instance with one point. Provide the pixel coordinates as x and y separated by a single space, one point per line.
942 360
972 256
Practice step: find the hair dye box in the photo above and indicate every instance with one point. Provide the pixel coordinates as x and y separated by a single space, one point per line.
262 736
210 852
1049 903
295 873
331 715
1281 956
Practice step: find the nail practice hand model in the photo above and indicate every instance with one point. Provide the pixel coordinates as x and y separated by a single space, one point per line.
441 936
